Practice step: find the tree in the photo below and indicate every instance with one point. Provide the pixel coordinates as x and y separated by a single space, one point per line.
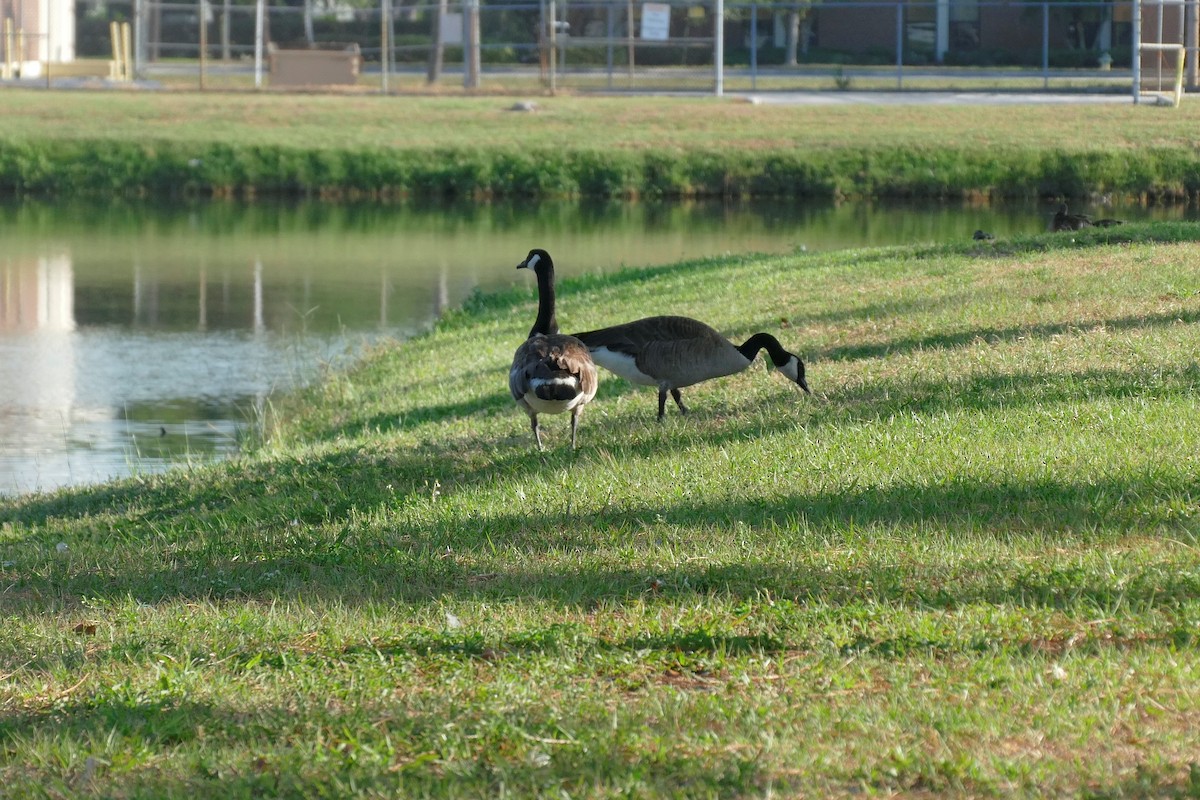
797 23
1089 25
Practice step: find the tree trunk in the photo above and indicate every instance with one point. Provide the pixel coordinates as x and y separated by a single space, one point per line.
437 50
308 23
793 36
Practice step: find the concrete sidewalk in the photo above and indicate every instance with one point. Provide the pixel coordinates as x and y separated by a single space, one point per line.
909 97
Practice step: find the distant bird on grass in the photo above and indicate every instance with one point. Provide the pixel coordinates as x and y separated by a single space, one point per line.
552 373
982 236
675 352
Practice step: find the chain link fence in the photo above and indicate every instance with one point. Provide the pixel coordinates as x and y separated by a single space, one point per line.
533 46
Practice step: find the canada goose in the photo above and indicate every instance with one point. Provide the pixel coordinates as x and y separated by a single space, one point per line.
982 236
674 352
1065 221
551 372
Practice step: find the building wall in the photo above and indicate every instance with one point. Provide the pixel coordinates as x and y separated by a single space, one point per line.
48 27
1018 28
1001 26
855 30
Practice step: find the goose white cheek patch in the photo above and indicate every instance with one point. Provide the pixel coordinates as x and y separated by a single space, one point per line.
791 369
533 261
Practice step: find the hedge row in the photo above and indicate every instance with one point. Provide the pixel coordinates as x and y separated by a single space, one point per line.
170 169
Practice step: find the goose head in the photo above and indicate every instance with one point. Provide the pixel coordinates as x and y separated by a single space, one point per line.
793 370
538 261
791 367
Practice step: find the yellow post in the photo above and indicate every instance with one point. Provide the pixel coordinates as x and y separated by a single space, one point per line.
114 35
1180 57
20 49
126 52
6 66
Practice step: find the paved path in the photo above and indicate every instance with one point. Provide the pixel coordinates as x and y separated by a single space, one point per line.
934 98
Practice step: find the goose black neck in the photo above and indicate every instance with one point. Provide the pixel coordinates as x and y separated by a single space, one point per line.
546 322
764 341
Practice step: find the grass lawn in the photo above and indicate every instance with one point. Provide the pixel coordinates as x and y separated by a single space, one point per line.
580 123
970 565
182 145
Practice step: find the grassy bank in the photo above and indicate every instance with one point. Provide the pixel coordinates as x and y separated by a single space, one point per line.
969 566
171 144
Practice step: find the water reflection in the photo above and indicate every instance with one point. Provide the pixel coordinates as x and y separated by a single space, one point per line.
133 336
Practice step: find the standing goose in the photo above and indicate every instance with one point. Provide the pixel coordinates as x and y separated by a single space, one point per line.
551 372
674 352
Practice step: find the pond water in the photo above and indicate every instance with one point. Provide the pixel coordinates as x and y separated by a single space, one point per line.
138 336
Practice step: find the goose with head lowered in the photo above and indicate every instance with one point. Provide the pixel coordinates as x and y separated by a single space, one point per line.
675 352
552 373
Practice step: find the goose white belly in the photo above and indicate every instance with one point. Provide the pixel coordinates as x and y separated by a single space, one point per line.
682 369
542 406
622 364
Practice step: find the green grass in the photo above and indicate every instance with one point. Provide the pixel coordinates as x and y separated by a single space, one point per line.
326 145
969 566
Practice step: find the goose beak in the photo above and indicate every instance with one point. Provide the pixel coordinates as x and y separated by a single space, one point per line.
530 262
804 385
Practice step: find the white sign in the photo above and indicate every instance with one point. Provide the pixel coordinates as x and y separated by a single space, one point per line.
452 29
656 21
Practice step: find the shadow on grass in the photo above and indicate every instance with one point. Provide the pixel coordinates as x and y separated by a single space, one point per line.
427 562
322 747
993 335
326 488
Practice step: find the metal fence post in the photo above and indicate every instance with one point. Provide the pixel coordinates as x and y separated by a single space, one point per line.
471 65
1189 43
553 47
719 47
203 41
899 45
1045 45
259 15
140 33
1137 50
385 44
753 46
608 54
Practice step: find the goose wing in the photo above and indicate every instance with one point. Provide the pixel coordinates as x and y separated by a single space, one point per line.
676 350
632 336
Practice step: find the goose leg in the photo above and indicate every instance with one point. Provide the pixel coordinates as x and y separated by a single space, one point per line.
662 402
537 432
574 425
679 401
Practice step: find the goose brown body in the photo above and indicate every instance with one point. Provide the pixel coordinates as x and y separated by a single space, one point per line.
551 373
1066 221
673 352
